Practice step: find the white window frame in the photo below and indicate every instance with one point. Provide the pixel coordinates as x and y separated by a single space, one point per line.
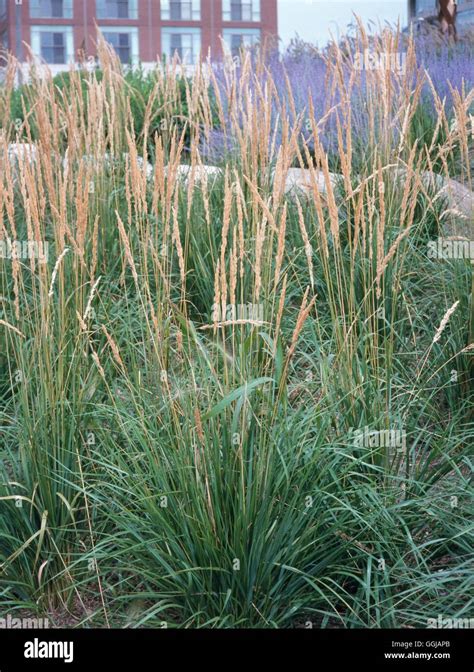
36 40
134 42
255 11
195 33
195 10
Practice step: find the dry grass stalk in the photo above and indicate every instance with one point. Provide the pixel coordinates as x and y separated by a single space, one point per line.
444 322
305 310
114 347
280 247
12 328
307 246
55 271
128 251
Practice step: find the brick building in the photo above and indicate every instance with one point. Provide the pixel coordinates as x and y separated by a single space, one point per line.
139 30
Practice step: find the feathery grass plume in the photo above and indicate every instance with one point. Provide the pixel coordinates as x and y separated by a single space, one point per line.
10 326
396 244
127 248
177 241
241 209
55 270
85 317
114 347
82 324
219 305
233 270
444 322
95 242
280 247
304 311
259 241
380 230
228 200
307 246
96 359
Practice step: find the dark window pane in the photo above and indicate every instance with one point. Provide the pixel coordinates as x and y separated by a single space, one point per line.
175 11
122 10
176 45
53 47
180 10
57 9
236 11
124 54
54 9
235 44
113 9
121 43
240 11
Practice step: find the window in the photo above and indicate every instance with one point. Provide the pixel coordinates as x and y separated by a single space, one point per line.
241 10
53 47
237 38
53 44
122 45
181 10
51 9
117 9
125 43
185 42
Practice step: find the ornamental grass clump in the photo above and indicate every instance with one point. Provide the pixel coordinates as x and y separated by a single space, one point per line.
225 403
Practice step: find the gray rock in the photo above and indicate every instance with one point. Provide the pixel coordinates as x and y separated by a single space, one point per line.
458 218
299 181
200 172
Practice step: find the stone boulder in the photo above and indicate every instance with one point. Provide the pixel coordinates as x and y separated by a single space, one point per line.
459 200
299 181
200 172
22 151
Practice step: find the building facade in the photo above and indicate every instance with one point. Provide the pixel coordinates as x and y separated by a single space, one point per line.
428 9
57 31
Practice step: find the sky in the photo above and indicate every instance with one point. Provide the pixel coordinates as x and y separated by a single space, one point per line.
315 20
